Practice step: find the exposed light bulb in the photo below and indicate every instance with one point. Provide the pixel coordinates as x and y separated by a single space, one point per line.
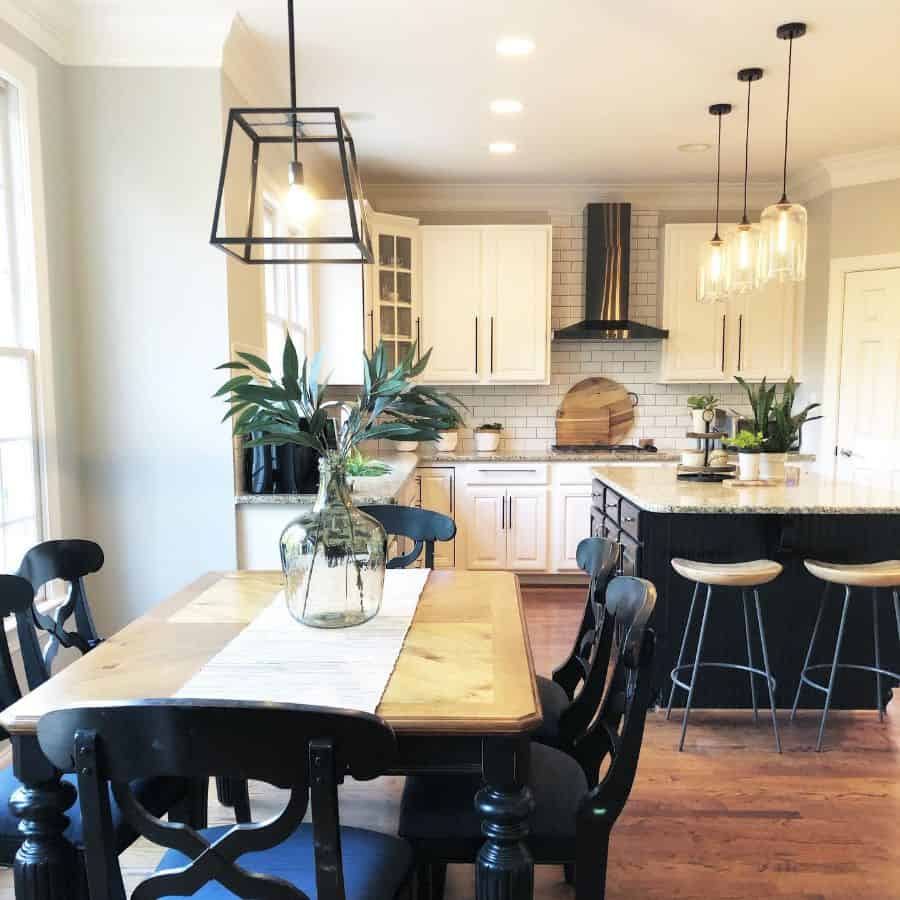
515 45
299 202
782 230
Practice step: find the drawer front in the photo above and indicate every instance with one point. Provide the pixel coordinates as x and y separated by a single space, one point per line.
630 518
612 504
630 559
507 473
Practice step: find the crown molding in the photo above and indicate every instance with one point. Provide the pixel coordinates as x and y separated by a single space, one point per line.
809 183
560 197
247 66
865 167
46 23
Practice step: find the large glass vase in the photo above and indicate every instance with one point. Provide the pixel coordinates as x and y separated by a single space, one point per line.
334 556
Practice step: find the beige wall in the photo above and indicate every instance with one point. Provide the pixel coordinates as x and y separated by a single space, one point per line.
866 219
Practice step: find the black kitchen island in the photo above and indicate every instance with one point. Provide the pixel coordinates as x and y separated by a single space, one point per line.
656 517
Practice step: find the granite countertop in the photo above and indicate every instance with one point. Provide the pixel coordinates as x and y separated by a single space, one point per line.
380 489
655 489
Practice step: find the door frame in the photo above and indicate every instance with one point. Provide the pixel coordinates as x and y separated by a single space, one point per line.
840 268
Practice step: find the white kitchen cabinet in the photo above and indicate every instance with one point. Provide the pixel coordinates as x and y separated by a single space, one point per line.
436 489
526 529
485 299
752 335
571 524
486 527
516 303
451 304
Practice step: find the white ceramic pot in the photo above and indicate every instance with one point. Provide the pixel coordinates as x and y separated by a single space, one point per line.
692 457
447 442
771 466
407 446
698 423
748 464
487 441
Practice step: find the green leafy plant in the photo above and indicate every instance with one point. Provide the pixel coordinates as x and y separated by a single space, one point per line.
360 466
702 401
453 420
490 426
746 441
293 410
775 418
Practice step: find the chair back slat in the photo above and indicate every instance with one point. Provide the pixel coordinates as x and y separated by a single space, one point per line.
308 750
15 600
69 561
423 526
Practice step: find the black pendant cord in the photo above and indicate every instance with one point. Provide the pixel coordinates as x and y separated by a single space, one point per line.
745 220
718 174
291 65
787 116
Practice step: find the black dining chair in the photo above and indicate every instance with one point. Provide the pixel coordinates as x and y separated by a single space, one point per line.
185 801
69 561
570 698
304 749
572 820
423 526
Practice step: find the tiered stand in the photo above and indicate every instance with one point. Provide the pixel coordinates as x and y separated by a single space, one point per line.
706 472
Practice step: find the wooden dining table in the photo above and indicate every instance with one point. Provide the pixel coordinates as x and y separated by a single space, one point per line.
462 698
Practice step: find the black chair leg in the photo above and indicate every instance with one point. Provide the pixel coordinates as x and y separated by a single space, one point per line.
234 792
193 809
569 870
590 869
423 881
438 880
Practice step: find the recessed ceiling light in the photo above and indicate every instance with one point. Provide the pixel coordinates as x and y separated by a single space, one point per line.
502 147
515 45
694 148
506 107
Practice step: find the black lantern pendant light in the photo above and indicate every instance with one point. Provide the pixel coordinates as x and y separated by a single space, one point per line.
711 276
784 223
265 213
743 242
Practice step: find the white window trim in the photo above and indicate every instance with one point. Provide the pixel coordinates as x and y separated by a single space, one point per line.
23 76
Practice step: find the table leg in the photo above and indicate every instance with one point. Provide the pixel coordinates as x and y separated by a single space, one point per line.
46 866
504 869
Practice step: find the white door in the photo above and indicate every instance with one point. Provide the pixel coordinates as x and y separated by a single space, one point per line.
699 333
571 524
869 409
437 495
516 303
763 326
486 528
451 304
526 527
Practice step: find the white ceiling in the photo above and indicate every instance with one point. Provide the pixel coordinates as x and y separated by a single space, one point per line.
609 93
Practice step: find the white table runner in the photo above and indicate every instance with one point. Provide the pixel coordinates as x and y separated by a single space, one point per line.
277 659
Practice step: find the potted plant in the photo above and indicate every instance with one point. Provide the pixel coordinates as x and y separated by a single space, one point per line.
333 554
748 445
699 404
776 421
487 437
449 432
406 446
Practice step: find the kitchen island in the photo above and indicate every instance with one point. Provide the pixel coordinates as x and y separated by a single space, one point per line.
655 517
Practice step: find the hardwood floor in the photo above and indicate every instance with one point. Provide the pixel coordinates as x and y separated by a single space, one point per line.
727 819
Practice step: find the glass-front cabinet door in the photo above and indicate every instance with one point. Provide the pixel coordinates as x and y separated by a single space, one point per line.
393 311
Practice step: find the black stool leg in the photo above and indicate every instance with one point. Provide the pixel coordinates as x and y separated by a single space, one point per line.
812 644
690 696
877 654
749 656
897 611
834 668
769 679
684 637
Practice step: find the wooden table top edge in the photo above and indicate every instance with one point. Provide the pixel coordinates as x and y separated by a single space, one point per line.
412 724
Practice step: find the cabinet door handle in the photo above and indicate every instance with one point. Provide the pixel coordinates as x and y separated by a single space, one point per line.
723 342
503 513
476 345
418 338
492 345
740 338
506 471
510 514
372 330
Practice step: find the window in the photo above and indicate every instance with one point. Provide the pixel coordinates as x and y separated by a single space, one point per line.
288 307
21 506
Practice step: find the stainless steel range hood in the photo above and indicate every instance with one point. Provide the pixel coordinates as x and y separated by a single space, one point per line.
606 281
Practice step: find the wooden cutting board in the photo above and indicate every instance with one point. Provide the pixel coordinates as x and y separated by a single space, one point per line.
595 411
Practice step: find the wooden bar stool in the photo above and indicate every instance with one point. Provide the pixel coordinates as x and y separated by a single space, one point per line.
747 576
884 575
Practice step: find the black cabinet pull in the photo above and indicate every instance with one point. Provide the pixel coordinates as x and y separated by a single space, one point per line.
492 345
503 513
510 514
418 338
723 343
372 329
476 345
740 338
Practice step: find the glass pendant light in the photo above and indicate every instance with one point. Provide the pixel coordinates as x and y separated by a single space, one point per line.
711 272
742 246
784 223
